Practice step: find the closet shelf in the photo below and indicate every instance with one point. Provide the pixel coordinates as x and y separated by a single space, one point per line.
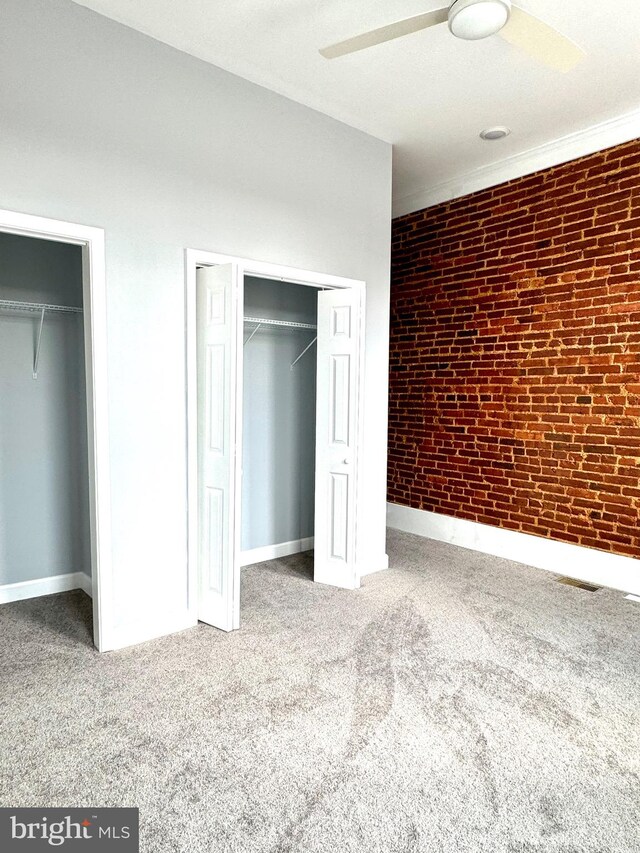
290 324
39 308
263 321
14 305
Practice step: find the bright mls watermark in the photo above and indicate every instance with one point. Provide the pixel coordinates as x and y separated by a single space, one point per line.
33 830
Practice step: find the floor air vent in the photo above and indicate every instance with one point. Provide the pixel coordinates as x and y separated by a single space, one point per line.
580 584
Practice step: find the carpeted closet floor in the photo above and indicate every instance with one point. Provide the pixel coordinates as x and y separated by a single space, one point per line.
457 703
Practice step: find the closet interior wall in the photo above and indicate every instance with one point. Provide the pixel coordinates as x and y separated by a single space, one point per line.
279 416
44 492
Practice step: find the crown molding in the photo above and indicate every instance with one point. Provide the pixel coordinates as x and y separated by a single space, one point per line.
596 138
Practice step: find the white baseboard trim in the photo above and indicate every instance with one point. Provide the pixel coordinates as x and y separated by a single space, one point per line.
272 552
561 558
44 586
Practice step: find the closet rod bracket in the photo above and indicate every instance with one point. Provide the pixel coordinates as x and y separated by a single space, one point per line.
37 307
252 333
36 358
308 347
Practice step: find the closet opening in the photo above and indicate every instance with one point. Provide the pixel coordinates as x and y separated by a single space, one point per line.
275 369
53 536
278 421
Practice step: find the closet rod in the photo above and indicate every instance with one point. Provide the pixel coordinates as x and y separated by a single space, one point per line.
15 305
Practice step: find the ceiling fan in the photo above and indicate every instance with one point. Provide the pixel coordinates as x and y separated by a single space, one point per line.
478 19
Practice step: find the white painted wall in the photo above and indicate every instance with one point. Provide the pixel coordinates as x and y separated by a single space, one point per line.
40 270
105 127
279 416
44 523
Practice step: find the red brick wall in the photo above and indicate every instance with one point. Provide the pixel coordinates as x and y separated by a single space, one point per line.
515 355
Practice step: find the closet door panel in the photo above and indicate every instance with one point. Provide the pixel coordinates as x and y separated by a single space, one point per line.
218 571
336 457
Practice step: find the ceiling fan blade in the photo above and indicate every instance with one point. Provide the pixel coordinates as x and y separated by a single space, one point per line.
388 33
541 41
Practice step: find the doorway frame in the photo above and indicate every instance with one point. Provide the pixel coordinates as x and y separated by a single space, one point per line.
274 272
92 242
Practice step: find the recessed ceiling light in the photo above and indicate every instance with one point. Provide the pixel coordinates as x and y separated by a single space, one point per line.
493 133
477 19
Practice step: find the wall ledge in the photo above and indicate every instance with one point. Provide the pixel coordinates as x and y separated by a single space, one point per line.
562 558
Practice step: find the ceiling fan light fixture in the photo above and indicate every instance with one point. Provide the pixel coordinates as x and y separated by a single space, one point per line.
478 19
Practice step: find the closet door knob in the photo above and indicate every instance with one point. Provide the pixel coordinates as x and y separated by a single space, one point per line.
346 462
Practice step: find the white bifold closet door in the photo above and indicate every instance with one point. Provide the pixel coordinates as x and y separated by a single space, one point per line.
217 331
336 440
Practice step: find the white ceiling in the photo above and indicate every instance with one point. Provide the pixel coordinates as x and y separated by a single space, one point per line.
428 93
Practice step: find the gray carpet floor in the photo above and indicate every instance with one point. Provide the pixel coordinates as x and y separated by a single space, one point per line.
457 703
